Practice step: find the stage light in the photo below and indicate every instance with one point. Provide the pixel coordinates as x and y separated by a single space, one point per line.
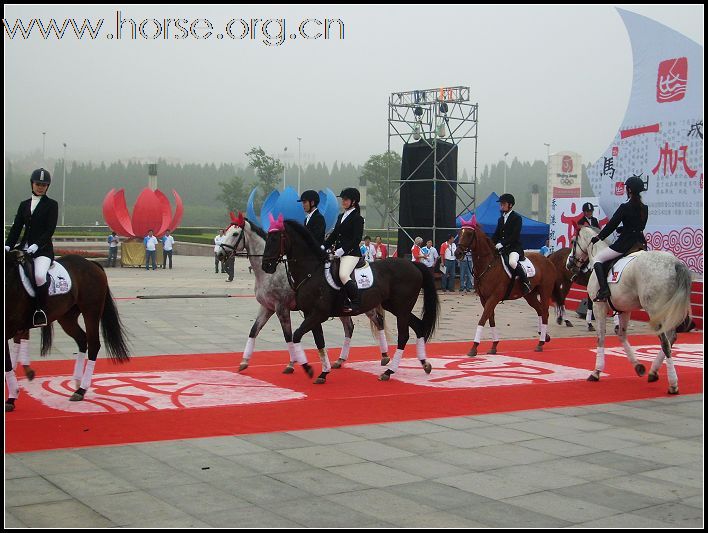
416 132
443 108
442 132
418 111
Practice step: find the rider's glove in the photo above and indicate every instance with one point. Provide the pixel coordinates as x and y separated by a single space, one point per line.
594 239
339 252
499 246
7 248
32 249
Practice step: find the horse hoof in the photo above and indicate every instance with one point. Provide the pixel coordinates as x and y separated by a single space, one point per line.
385 359
640 369
492 351
288 370
308 370
538 348
559 321
652 377
386 375
548 338
673 390
321 379
338 363
29 373
76 397
591 327
568 323
9 407
617 330
472 352
593 377
428 368
242 367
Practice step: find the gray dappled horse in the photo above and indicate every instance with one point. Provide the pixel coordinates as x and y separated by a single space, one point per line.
655 281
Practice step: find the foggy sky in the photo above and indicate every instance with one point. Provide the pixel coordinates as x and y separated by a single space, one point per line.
560 75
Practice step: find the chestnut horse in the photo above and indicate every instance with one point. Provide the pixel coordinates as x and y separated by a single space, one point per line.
492 283
564 281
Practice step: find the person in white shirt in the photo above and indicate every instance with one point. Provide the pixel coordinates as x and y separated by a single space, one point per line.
150 251
447 252
167 244
217 247
430 258
112 249
370 250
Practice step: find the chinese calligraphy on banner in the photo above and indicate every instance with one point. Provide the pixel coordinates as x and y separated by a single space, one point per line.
565 212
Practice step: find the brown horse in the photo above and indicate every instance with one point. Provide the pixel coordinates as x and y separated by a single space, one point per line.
89 296
492 283
564 281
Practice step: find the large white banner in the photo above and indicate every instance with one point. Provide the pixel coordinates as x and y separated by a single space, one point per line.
661 140
565 212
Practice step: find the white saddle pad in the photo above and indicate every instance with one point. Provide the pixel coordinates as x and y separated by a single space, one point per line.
59 280
528 266
613 276
364 276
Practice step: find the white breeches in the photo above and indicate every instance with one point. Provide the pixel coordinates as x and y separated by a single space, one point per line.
608 254
41 267
346 267
513 260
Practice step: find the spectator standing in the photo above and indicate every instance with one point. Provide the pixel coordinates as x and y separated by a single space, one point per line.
466 282
150 251
167 245
381 250
447 253
416 252
545 249
369 250
431 257
217 248
112 249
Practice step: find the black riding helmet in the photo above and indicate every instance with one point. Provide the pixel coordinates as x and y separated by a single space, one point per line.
41 176
634 185
508 198
310 196
587 206
351 193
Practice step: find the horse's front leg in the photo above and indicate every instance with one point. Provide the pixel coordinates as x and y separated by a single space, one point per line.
600 310
318 334
639 368
312 319
495 334
538 305
264 315
13 388
666 344
489 306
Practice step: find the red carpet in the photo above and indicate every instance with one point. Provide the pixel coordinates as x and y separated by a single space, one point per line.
189 396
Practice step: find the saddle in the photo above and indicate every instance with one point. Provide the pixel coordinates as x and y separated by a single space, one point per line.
526 263
59 279
616 266
362 274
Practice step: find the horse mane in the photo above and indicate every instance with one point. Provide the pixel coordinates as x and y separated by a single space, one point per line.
483 237
306 236
259 231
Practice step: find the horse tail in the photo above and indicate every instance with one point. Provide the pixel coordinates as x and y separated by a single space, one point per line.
47 337
113 331
431 304
678 307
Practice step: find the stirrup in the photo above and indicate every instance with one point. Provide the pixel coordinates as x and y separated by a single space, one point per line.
39 319
601 296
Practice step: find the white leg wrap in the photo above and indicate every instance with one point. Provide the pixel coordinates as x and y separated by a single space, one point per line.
14 352
383 343
539 323
478 334
495 335
393 365
420 348
588 316
13 389
542 337
656 365
671 372
24 357
299 353
79 365
248 351
616 320
324 359
600 359
291 351
88 374
344 354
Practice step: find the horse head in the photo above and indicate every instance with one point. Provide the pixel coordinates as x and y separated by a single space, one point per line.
582 248
471 238
15 257
277 245
233 240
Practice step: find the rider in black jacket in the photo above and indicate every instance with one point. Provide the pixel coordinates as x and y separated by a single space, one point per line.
38 216
507 238
314 221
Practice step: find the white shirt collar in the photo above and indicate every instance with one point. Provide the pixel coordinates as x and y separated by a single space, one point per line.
346 213
506 215
309 215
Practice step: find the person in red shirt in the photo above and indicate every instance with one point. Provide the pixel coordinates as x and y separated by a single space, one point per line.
381 250
416 251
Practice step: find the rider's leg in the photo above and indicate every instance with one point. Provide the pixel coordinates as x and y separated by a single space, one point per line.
41 267
598 266
346 267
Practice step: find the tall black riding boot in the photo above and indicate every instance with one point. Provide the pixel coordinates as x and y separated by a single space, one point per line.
353 295
525 285
604 293
40 316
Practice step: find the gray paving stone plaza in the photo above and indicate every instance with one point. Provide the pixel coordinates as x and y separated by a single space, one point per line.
633 464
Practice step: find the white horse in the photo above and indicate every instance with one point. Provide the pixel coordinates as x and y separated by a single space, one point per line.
654 281
275 295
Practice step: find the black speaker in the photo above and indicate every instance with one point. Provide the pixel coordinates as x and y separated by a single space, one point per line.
418 193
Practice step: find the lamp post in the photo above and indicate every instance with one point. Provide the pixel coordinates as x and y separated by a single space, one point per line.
505 154
63 189
548 151
44 145
299 156
284 154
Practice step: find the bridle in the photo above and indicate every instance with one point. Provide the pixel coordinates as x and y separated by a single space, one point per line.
573 264
465 249
282 258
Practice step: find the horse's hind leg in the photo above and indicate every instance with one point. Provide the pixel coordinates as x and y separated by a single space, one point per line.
286 325
94 345
21 346
403 335
543 337
70 324
601 319
495 334
378 320
417 326
348 325
264 315
13 388
639 368
489 306
318 334
670 369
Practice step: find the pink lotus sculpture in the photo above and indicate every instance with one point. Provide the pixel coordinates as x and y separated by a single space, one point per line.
152 211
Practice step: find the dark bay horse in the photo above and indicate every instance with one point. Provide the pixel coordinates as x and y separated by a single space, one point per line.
396 287
89 296
564 281
492 283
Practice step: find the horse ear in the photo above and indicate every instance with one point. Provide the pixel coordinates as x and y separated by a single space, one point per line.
474 221
280 219
233 217
271 219
240 221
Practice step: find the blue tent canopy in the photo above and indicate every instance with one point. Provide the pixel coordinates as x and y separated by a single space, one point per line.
533 232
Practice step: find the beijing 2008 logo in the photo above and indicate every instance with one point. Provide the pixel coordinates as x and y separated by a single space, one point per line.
567 164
